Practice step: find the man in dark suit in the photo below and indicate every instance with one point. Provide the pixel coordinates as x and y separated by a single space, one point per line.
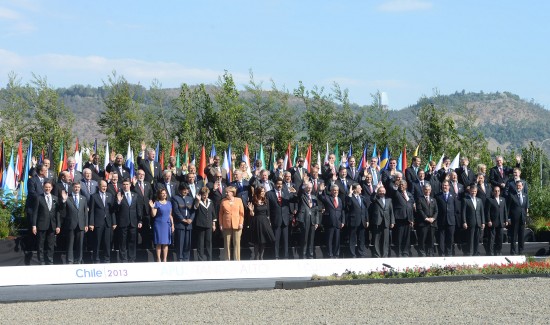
114 186
466 176
102 221
75 223
74 175
426 221
352 172
153 170
369 189
50 174
357 220
499 174
432 177
35 189
308 220
146 192
88 186
314 180
278 171
214 167
129 212
46 222
280 214
403 210
218 190
298 172
473 221
242 187
343 183
389 175
98 173
118 167
183 213
447 219
168 184
381 220
411 173
511 184
195 185
456 188
418 186
334 218
518 209
445 170
496 213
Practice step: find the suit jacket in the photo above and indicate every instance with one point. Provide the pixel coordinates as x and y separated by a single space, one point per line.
403 209
216 196
76 217
425 209
342 190
460 187
182 208
354 178
151 176
306 214
495 178
280 214
448 210
357 210
129 215
42 217
111 188
77 176
511 188
258 183
198 185
242 191
374 173
516 210
367 191
102 215
276 174
334 216
84 188
231 215
387 178
97 174
296 177
442 174
496 212
146 195
381 215
205 214
418 191
211 171
484 195
112 168
173 185
473 216
411 176
35 189
463 179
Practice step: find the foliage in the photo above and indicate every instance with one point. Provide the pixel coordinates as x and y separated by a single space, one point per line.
348 121
15 109
231 114
12 216
285 121
259 111
382 129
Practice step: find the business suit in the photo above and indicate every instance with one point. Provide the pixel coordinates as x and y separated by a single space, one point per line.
376 176
511 188
459 191
151 176
114 188
308 218
34 190
425 208
128 219
411 176
473 216
217 195
205 217
183 210
357 217
369 191
403 212
276 174
47 222
484 194
298 175
98 173
334 218
76 176
447 221
517 210
211 171
171 188
381 220
353 174
388 178
195 187
87 192
102 217
75 225
496 212
435 183
146 192
498 176
465 175
280 214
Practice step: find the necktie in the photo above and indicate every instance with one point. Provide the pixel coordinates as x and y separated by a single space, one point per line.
152 168
116 188
129 198
405 196
520 199
370 188
353 173
301 173
501 172
89 187
466 172
455 186
446 197
421 183
345 185
220 189
358 199
474 202
72 176
279 199
103 198
141 188
96 168
384 203
49 202
309 202
428 200
76 202
314 185
42 181
168 189
336 203
374 177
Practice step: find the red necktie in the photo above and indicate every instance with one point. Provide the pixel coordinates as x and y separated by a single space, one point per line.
116 189
501 172
314 185
279 199
336 203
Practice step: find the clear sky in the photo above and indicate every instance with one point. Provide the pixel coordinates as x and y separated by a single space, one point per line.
403 47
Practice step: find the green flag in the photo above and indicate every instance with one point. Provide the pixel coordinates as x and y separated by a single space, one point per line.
262 159
337 156
178 159
295 155
428 164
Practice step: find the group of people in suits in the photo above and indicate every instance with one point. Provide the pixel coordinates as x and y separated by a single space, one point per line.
369 208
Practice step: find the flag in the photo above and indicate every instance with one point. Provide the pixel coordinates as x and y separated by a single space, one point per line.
287 162
272 157
212 151
193 160
60 165
95 146
384 159
178 159
307 161
28 165
416 150
295 155
19 162
261 158
173 149
319 160
65 164
226 163
456 162
78 157
350 153
246 158
326 156
2 164
157 152
161 161
438 166
399 162
130 161
9 185
229 164
363 162
374 154
41 159
202 164
106 160
336 156
404 160
428 164
186 155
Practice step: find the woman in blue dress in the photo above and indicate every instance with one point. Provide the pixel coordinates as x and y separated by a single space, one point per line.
161 210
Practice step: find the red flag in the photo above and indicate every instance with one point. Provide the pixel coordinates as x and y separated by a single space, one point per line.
161 160
308 159
288 160
65 165
202 164
173 150
76 146
186 154
19 161
404 160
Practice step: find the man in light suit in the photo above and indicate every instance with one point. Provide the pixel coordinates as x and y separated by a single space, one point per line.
46 222
102 221
129 212
308 220
518 209
473 221
75 223
381 221
496 213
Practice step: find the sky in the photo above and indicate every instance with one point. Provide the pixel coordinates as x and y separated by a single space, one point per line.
406 48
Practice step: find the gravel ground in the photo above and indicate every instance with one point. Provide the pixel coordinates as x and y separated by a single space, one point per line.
522 301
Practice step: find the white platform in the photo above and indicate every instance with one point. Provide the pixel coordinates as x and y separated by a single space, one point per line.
139 272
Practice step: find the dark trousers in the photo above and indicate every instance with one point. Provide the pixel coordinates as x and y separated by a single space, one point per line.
381 239
357 238
518 232
204 243
183 244
425 240
127 244
146 233
494 242
75 242
102 236
307 240
403 234
281 234
45 256
472 240
446 240
333 241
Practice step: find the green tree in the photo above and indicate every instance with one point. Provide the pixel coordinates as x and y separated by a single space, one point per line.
382 129
348 122
159 116
285 122
15 109
230 113
258 109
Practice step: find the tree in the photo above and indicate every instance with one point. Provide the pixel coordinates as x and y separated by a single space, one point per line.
284 118
15 109
258 109
122 120
160 116
230 113
348 122
382 129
